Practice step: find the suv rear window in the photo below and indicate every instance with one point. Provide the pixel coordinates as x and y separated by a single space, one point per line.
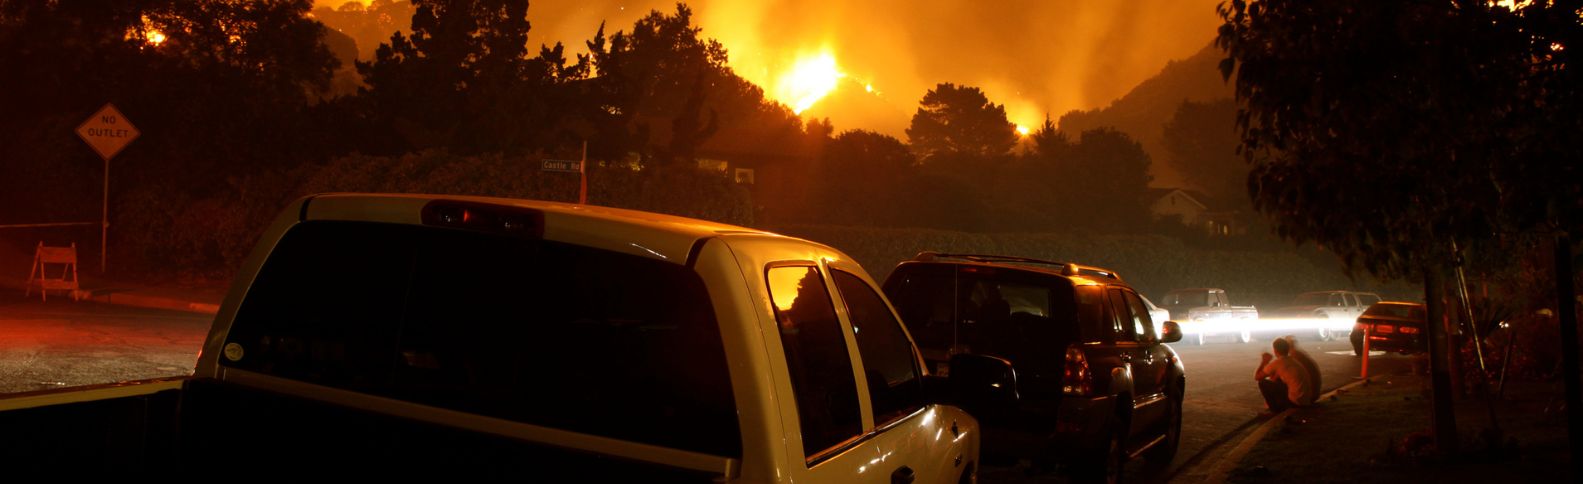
534 331
989 304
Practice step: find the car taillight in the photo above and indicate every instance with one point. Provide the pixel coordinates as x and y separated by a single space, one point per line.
1384 329
1078 380
1409 330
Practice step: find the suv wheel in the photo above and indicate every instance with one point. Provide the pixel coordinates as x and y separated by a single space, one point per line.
1245 336
1160 456
1106 467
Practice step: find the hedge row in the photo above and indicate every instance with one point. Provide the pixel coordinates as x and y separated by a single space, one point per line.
1153 264
166 229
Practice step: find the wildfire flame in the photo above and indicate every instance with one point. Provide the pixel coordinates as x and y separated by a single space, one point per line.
147 33
1023 130
809 80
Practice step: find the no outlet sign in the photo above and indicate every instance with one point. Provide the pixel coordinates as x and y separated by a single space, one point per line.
107 131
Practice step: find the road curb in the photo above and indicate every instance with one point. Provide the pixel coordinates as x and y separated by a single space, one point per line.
1230 459
154 302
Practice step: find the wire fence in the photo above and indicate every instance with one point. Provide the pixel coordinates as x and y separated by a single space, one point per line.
17 242
46 225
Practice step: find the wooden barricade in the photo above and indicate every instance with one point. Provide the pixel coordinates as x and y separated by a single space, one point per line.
44 260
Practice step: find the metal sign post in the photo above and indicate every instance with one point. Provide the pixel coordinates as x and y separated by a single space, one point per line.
582 176
107 132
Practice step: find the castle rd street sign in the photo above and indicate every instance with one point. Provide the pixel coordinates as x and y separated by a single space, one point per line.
568 166
107 132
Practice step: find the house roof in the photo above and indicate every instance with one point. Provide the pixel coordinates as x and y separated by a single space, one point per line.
1203 200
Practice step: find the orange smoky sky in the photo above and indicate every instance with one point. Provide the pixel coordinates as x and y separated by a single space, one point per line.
1037 57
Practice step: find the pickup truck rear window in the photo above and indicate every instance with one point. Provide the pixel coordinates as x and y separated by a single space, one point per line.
529 330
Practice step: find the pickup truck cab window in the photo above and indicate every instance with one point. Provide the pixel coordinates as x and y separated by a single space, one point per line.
895 388
817 358
540 332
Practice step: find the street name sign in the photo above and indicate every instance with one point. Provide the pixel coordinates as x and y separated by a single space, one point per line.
567 166
107 132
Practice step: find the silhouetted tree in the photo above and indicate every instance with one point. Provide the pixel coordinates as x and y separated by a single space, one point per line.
220 91
1105 180
689 129
460 80
960 120
1202 141
649 77
1375 128
369 25
1049 143
866 178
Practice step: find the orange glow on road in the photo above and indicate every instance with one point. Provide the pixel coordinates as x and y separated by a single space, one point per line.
808 81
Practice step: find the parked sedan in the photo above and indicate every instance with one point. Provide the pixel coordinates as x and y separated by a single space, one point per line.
1391 326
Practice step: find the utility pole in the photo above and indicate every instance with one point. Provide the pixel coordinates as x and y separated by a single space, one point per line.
1445 423
1566 313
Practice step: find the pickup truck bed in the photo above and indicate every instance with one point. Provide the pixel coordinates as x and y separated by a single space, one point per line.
192 423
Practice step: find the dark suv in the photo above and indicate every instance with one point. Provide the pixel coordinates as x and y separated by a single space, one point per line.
1094 386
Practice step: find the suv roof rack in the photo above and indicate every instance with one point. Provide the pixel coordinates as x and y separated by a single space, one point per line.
1067 268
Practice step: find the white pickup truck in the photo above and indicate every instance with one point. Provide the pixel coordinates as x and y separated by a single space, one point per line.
1206 313
407 335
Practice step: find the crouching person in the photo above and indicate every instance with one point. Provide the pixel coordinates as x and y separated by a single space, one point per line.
1283 379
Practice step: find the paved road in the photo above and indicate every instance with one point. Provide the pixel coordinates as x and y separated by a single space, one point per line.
1221 397
63 343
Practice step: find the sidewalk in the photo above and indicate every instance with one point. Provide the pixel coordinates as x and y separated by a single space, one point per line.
197 300
1378 432
15 264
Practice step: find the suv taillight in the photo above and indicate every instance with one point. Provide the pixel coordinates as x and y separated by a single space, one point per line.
1078 380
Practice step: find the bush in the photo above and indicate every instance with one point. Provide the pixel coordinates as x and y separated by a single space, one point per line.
1151 263
167 230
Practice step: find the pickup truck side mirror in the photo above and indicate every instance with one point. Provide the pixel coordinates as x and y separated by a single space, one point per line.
1170 332
985 386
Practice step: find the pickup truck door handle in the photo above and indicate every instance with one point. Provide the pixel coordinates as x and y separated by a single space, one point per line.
903 475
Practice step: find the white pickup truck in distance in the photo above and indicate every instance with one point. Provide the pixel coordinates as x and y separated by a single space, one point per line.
496 338
1207 313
